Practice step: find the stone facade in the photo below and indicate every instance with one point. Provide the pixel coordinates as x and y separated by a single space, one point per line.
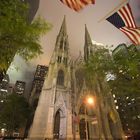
61 112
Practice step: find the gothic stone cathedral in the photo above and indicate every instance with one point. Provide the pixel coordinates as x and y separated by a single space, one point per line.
61 113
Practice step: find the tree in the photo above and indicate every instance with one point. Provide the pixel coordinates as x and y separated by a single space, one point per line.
14 113
126 71
98 65
17 35
125 67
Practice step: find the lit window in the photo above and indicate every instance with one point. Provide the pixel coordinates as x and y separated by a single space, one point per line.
4 90
117 107
115 101
1 101
114 95
120 71
127 97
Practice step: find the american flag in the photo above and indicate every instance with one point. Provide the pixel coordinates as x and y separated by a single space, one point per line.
77 5
123 19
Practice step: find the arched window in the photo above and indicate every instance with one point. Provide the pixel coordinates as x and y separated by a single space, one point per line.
60 78
65 60
65 45
61 44
59 59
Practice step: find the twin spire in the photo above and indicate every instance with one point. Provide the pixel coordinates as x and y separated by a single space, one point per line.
62 44
63 30
63 36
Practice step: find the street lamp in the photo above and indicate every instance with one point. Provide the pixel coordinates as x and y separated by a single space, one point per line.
89 101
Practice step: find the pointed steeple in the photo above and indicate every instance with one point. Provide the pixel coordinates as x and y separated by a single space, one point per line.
88 44
61 51
62 36
63 29
87 37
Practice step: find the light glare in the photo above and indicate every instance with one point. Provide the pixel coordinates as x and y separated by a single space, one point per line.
90 100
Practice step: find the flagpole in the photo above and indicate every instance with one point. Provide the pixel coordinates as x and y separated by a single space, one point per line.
114 10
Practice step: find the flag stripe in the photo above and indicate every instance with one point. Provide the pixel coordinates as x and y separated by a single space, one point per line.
77 4
84 2
123 17
68 2
132 34
88 1
124 20
131 16
126 16
136 31
137 34
129 35
80 4
72 4
127 11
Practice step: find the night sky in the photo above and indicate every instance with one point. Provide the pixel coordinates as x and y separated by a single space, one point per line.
53 11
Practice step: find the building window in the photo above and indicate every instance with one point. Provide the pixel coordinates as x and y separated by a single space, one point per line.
61 44
59 59
65 60
65 47
60 78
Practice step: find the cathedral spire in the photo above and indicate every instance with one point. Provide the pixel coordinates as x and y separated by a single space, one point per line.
62 36
61 51
87 37
88 44
63 29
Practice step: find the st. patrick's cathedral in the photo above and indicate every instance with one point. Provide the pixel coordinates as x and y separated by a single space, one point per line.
61 112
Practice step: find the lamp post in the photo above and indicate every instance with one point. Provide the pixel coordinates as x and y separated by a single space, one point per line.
89 101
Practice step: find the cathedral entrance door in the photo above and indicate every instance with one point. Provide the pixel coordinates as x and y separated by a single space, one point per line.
82 128
56 125
59 131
